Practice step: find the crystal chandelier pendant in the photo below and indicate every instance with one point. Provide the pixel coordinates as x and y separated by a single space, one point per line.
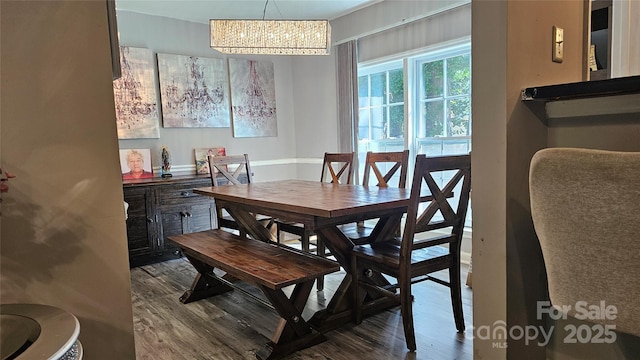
271 37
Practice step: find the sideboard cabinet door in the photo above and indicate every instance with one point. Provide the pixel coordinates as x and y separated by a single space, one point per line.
142 222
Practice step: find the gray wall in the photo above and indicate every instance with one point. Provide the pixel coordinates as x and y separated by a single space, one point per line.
511 43
305 101
512 50
63 240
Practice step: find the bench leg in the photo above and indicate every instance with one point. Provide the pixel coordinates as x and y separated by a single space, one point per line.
204 285
293 332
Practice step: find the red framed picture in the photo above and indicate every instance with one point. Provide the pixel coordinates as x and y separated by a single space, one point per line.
136 164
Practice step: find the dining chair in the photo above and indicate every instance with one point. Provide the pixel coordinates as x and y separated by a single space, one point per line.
585 205
337 168
234 169
419 253
397 163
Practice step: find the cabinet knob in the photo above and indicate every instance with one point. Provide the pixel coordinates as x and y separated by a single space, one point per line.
150 220
185 194
188 214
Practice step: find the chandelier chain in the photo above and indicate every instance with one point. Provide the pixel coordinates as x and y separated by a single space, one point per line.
264 12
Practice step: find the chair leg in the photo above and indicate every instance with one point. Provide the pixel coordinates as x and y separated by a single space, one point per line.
456 295
320 250
406 309
320 283
270 223
304 239
356 314
278 234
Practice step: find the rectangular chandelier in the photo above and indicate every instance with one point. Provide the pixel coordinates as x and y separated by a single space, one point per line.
271 37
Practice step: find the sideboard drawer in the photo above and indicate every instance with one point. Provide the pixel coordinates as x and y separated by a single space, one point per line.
179 194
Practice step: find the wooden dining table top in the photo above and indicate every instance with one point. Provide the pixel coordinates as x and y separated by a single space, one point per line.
311 197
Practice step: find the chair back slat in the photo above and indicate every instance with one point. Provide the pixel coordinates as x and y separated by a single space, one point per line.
223 164
453 217
375 160
343 162
441 204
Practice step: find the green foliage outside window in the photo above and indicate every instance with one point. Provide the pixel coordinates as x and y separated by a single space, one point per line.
433 115
396 112
457 92
459 83
459 75
432 82
459 115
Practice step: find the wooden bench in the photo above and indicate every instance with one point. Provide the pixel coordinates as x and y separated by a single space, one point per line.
265 265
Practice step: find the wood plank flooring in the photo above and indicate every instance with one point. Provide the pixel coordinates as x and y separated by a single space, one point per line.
233 326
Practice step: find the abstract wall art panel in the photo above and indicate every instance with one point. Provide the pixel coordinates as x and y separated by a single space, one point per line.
135 95
253 98
194 91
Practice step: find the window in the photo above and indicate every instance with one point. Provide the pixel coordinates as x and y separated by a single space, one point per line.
381 102
420 102
440 92
443 121
381 123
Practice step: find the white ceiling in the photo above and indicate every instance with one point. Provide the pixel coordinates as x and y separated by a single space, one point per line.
203 10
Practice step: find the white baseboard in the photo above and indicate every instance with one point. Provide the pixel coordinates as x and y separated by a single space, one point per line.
465 258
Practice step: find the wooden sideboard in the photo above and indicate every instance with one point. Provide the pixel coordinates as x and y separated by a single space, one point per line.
159 208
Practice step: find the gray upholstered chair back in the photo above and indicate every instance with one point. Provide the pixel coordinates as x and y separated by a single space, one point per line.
585 206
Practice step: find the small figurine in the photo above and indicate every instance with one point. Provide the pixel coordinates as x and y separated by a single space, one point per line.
166 162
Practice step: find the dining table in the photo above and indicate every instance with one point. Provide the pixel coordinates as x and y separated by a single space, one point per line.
323 208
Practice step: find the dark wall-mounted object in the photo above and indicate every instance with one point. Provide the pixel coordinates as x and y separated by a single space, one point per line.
114 39
586 98
583 89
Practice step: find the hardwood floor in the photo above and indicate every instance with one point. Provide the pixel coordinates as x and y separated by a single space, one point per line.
233 326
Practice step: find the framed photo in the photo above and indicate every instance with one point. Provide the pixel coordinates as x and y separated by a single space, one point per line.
202 163
136 164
